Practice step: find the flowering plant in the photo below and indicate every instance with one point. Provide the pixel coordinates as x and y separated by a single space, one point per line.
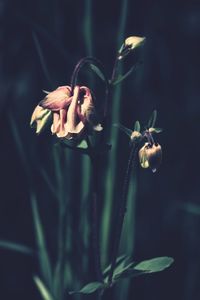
72 112
74 115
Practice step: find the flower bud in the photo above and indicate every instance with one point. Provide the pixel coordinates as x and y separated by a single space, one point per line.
135 135
134 41
129 44
150 156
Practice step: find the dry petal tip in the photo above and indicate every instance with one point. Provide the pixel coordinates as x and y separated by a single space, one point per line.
46 92
98 127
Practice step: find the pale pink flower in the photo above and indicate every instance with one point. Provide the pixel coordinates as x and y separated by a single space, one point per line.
72 111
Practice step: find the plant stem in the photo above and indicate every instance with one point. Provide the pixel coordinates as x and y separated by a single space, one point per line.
96 245
95 194
122 209
81 63
113 77
95 223
91 60
95 232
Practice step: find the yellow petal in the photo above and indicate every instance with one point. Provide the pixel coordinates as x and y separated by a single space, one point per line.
134 41
39 118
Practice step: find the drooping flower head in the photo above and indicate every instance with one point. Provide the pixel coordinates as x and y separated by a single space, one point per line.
150 156
72 111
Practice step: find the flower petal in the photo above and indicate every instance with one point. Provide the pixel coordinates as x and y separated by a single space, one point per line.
55 127
62 130
74 125
39 118
58 99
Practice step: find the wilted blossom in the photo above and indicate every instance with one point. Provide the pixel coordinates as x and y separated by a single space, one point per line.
71 111
150 156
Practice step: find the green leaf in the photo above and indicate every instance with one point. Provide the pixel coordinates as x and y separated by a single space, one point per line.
89 288
155 130
122 269
152 119
98 72
45 293
81 150
83 145
16 247
137 126
44 260
124 129
154 265
121 78
127 273
120 260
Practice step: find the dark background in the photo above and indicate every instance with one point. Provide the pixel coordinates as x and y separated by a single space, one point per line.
167 208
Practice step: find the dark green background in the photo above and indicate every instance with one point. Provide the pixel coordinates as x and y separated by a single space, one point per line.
167 213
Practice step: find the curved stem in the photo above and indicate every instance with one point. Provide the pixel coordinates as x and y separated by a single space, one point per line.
122 209
98 64
81 63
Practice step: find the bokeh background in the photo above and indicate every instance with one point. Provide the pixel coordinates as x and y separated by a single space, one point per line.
41 41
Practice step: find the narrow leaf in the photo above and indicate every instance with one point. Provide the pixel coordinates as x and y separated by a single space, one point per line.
41 244
89 288
152 119
120 260
124 129
137 126
155 264
45 293
127 273
123 77
16 247
98 72
122 269
155 130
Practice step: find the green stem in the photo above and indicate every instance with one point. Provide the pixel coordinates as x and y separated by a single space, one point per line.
95 193
122 209
95 218
114 118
